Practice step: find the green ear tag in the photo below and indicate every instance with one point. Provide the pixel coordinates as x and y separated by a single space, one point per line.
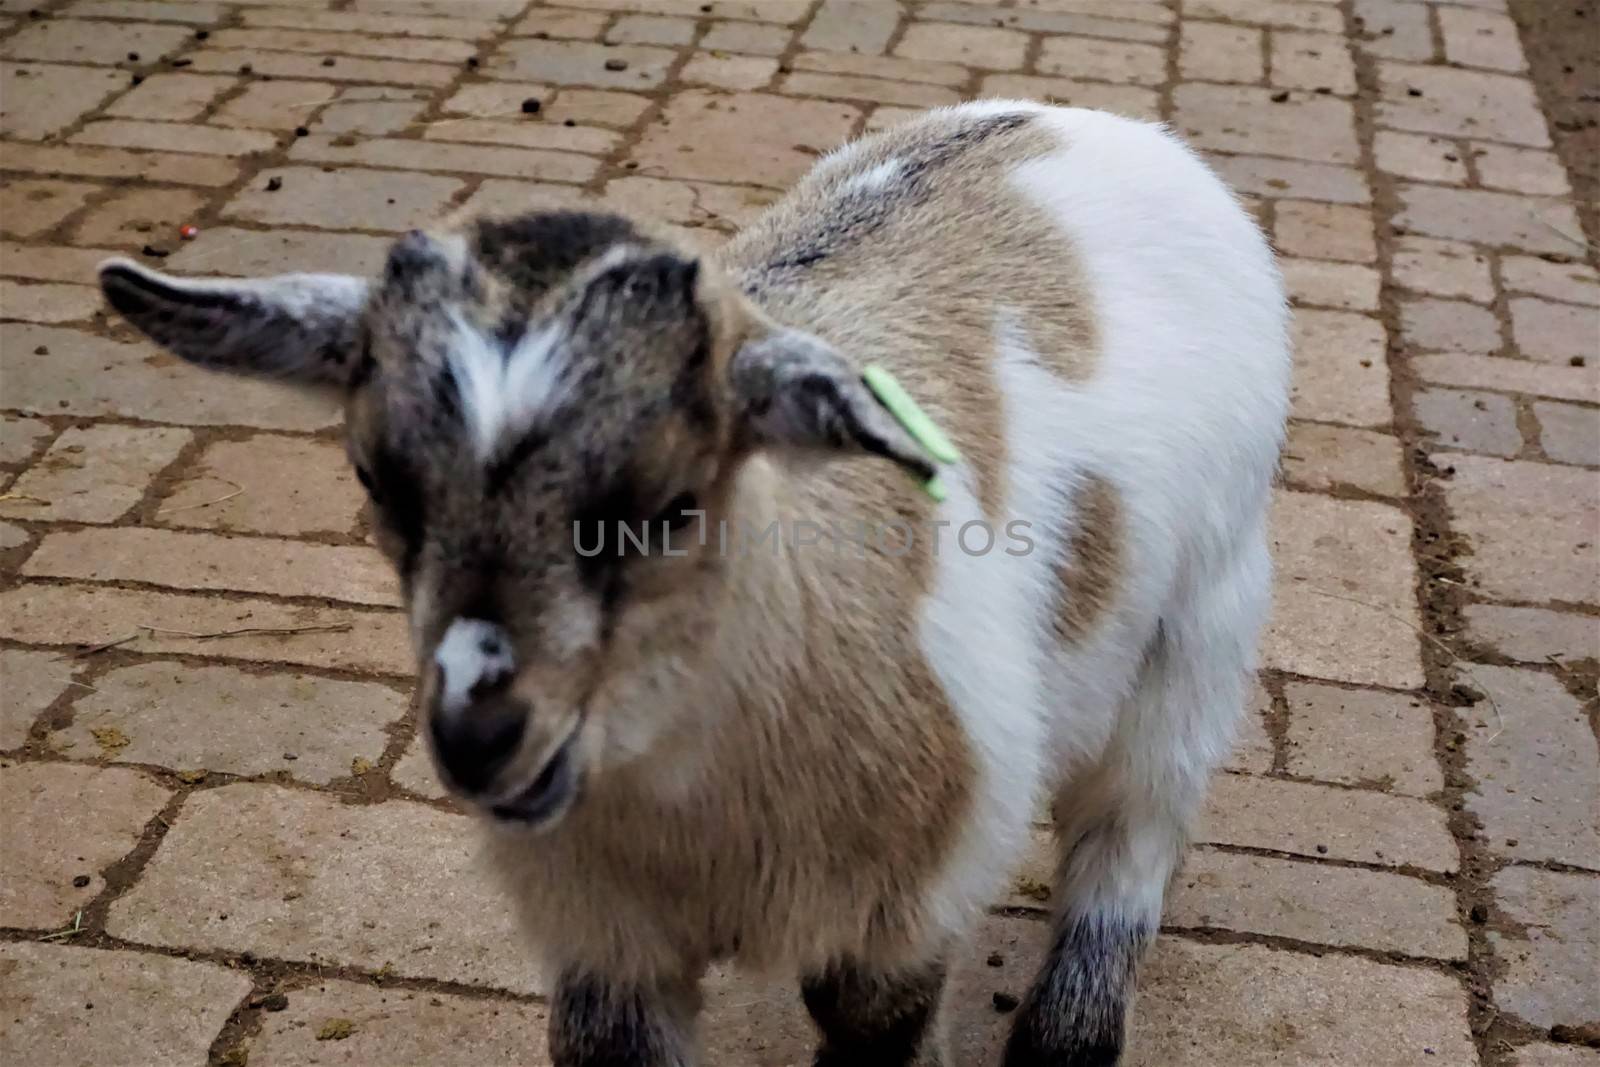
916 422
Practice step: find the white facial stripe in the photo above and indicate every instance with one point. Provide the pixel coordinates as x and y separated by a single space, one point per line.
472 652
502 393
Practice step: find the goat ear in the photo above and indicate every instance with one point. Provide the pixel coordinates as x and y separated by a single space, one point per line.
295 326
792 390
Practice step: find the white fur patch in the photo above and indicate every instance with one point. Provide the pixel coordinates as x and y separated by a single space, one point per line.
503 393
472 652
874 178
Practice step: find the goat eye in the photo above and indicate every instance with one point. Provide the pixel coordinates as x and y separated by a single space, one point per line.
678 513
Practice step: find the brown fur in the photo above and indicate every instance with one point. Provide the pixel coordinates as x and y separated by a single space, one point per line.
1090 572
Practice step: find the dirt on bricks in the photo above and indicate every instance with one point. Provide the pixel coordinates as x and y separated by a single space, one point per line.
223 840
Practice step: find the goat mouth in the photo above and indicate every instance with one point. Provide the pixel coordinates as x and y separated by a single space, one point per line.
547 795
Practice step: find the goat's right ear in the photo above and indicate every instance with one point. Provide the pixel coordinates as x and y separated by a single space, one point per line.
296 326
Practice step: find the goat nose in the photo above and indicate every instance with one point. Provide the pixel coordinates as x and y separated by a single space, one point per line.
474 744
476 722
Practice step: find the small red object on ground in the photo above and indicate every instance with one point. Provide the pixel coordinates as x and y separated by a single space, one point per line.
188 232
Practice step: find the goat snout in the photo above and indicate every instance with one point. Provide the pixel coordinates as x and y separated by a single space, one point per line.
476 721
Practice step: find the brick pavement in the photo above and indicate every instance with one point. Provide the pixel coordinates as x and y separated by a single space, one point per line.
221 840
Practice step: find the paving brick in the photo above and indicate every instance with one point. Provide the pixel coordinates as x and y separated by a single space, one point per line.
1264 176
1569 433
296 875
88 375
1327 458
754 38
1523 170
1487 217
1343 604
887 116
240 628
79 160
990 47
48 303
597 106
1480 39
1531 528
94 473
297 65
391 1025
1362 737
1217 52
420 155
199 12
1554 333
138 217
1340 373
49 264
31 207
1477 422
1068 21
1307 819
1316 61
1460 103
1394 31
1325 231
1442 268
894 68
1253 1006
1139 10
755 138
1096 60
1533 634
579 63
110 807
1319 283
346 199
226 250
171 96
1129 100
690 203
32 680
851 26
1424 156
20 438
1317 903
1549 961
455 25
420 49
785 12
1252 748
182 560
1574 283
185 717
12 536
1542 1055
266 484
44 99
275 105
1243 119
1285 13
1449 325
1516 375
850 87
145 1008
371 111
651 29
71 41
414 772
500 197
536 135
729 72
1535 766
577 25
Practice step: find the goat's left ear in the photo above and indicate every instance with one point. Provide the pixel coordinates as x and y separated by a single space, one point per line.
296 326
792 390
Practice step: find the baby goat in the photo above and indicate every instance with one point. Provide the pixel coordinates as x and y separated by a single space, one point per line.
718 735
